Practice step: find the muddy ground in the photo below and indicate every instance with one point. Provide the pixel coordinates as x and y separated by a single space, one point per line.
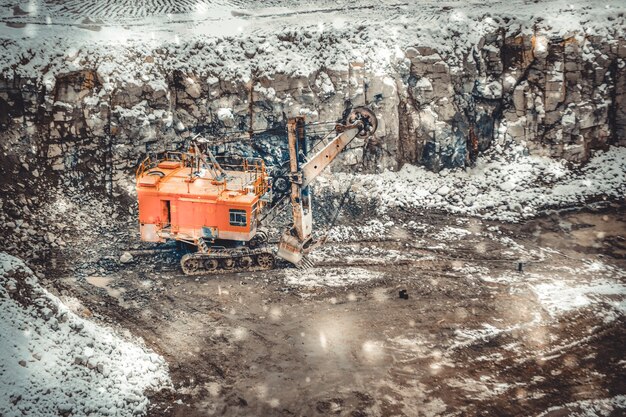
475 336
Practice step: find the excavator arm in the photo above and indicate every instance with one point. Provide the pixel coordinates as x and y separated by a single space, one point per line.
323 158
294 242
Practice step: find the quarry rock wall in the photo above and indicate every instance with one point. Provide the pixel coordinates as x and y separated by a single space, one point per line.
560 96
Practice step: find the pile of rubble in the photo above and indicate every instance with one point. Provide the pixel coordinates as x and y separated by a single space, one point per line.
57 363
63 230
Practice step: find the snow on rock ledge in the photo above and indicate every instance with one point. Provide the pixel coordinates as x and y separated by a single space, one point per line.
53 362
445 82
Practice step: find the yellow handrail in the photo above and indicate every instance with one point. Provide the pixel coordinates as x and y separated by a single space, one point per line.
254 167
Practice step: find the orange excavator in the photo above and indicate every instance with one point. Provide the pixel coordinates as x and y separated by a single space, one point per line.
218 207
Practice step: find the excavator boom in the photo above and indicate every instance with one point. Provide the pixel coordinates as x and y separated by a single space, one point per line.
327 154
295 241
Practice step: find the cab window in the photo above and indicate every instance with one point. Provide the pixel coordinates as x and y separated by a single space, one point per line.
237 217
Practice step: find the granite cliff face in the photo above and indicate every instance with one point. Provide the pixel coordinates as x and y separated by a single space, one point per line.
83 99
560 96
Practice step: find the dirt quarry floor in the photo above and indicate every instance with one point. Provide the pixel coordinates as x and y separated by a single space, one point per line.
490 109
474 337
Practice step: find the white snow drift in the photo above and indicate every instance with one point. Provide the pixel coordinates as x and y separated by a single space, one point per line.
504 185
331 277
53 362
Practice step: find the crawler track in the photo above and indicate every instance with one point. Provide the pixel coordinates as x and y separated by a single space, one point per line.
228 261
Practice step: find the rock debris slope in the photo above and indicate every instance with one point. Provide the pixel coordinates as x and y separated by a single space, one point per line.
53 362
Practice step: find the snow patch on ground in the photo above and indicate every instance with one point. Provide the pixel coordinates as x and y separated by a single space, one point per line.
468 337
54 362
588 408
598 286
330 277
452 233
362 254
559 297
482 388
373 230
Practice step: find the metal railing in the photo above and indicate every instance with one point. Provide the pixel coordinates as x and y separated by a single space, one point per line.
254 169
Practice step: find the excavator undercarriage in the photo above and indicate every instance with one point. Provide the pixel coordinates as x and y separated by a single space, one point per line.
228 260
